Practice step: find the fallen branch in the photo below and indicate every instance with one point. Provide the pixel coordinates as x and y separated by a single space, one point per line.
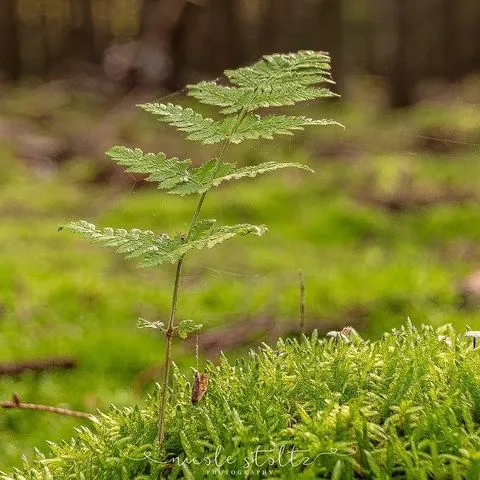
407 200
37 365
16 402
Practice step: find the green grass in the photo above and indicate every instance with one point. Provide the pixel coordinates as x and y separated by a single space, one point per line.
406 406
363 265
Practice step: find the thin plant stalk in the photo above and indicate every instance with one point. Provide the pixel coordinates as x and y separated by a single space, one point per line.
301 279
169 333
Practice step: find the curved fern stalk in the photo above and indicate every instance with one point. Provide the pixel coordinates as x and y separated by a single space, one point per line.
274 81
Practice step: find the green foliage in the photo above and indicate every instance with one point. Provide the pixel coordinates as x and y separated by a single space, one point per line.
179 179
274 81
250 127
233 99
302 68
185 327
401 407
266 83
152 250
360 261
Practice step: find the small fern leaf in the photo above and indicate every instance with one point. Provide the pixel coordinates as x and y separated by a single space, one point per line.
234 99
253 171
205 235
168 172
134 243
197 127
254 127
176 176
265 167
210 175
152 250
305 67
217 235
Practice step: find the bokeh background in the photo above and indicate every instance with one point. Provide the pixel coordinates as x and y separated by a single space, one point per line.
387 229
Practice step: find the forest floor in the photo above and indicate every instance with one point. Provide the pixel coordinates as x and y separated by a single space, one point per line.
387 228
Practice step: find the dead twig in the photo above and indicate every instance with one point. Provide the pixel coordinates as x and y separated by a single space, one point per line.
301 279
39 365
16 402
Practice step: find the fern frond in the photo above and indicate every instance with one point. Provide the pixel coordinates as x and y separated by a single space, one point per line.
304 67
254 127
254 170
132 243
151 249
234 99
176 176
197 127
227 171
276 80
168 172
209 131
208 238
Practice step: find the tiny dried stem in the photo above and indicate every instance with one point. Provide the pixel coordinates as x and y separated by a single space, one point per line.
302 300
18 404
196 351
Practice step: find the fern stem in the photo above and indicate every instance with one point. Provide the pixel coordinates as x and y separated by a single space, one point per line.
196 214
171 326
168 358
171 321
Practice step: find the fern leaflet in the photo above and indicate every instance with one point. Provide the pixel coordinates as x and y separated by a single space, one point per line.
168 172
234 99
209 131
176 176
152 250
305 68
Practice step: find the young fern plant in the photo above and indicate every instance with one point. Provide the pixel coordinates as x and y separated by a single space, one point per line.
274 81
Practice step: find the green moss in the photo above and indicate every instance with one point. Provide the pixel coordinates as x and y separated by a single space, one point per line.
362 264
405 406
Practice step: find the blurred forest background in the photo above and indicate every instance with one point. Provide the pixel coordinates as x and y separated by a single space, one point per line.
172 42
387 228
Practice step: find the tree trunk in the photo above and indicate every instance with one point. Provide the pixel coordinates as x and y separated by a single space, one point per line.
400 79
225 49
276 26
82 31
160 43
45 42
449 35
185 53
10 61
329 36
150 55
392 49
469 16
476 40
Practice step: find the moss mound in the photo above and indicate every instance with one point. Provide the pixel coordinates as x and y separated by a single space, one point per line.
405 406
